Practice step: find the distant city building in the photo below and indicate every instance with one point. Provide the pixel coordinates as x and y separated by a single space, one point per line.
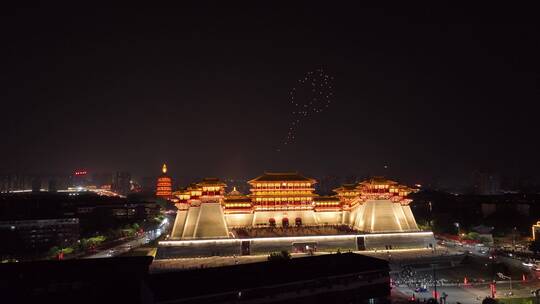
102 180
36 184
33 236
94 212
121 183
80 178
53 185
164 184
15 182
486 184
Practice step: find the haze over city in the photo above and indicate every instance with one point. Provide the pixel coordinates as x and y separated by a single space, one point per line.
422 91
270 152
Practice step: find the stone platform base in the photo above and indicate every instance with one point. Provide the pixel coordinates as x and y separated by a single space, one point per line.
249 246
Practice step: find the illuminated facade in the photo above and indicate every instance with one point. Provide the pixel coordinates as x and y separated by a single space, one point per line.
285 200
536 231
164 184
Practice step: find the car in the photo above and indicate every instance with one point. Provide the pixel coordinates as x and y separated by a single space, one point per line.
527 264
420 289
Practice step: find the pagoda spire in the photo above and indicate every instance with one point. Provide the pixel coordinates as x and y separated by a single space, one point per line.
164 184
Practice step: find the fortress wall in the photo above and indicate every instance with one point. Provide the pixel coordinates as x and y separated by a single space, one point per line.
389 241
329 217
239 220
358 217
179 222
307 216
211 222
400 217
400 241
191 221
410 218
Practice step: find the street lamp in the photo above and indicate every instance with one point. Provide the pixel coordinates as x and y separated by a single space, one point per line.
457 226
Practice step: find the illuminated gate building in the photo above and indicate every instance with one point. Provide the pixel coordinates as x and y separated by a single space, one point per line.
287 201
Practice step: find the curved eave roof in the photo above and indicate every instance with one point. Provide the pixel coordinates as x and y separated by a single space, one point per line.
346 187
211 181
282 177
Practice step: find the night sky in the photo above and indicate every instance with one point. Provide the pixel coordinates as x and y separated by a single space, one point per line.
430 93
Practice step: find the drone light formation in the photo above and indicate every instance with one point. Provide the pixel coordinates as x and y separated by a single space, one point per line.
312 94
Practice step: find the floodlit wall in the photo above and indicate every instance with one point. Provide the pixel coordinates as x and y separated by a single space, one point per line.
328 217
368 217
357 217
385 241
263 217
211 222
410 218
239 220
191 222
400 217
179 222
346 217
383 216
400 241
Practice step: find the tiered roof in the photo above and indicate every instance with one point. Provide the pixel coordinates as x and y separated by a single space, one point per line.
281 177
211 181
236 196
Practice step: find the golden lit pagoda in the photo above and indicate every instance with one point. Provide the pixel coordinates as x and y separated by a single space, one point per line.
164 184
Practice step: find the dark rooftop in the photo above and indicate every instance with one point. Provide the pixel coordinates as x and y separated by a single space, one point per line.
235 278
74 281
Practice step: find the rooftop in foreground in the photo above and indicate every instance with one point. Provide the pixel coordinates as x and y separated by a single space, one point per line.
235 278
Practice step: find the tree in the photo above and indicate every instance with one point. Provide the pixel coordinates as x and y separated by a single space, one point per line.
284 255
53 252
474 235
489 301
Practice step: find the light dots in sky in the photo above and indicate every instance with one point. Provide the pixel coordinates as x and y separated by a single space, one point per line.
311 96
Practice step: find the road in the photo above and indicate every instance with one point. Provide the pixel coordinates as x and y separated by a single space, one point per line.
475 292
146 238
471 294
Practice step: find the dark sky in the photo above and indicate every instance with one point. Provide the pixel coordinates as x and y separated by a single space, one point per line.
433 93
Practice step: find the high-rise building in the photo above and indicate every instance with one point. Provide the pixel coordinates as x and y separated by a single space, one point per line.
486 183
79 178
121 183
164 184
36 184
53 185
